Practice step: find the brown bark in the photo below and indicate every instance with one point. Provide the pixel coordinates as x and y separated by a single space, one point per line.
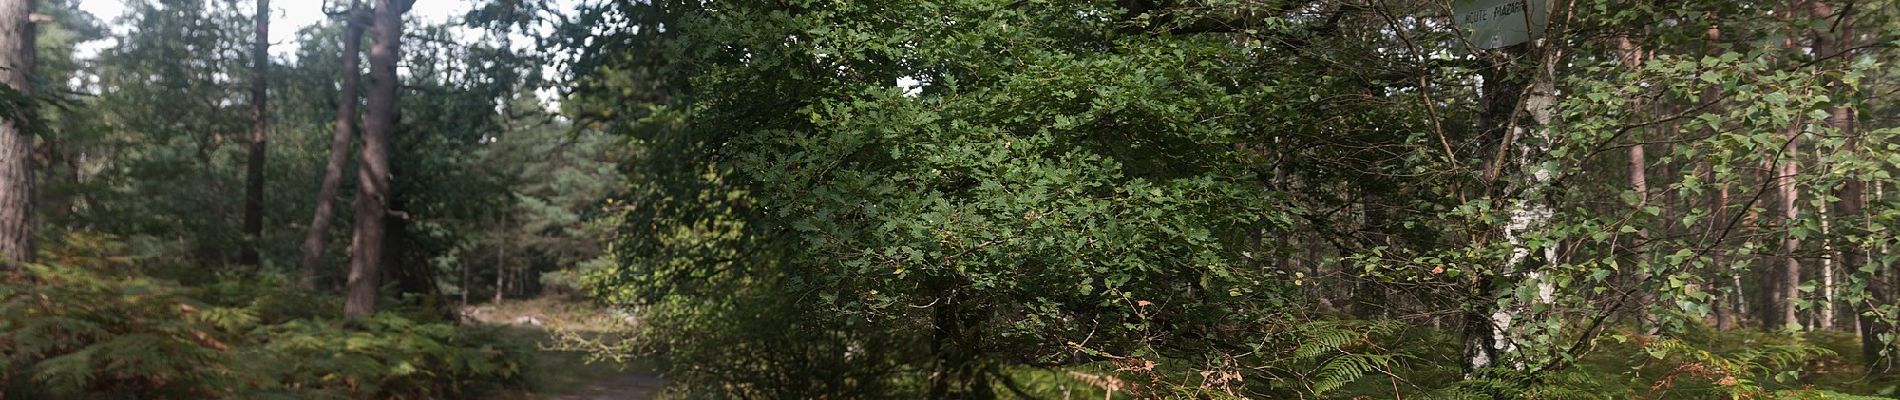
260 137
1787 285
16 138
1632 58
372 173
313 240
1784 288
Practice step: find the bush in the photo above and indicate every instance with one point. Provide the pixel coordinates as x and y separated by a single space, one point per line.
752 345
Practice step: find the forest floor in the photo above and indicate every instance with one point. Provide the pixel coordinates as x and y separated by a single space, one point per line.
561 374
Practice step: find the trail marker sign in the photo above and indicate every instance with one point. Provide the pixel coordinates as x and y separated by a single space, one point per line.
1500 23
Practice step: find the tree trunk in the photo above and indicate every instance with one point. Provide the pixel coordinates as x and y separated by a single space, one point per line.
313 241
1787 287
260 137
1727 301
372 172
1850 198
1825 45
467 270
1492 333
1874 350
16 137
501 271
1823 314
1639 184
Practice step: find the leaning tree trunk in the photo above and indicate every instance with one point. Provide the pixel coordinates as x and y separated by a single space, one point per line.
260 137
372 173
313 240
16 138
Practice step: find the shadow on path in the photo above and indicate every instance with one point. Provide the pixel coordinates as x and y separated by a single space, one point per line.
633 385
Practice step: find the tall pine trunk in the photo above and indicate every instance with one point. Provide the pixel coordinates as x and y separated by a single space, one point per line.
16 138
1632 57
260 137
313 240
1783 288
1787 286
372 173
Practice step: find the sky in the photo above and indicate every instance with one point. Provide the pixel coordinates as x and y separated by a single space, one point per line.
287 17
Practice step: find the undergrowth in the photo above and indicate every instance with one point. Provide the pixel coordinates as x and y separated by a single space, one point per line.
94 327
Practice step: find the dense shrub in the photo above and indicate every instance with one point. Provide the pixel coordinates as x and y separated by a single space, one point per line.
747 346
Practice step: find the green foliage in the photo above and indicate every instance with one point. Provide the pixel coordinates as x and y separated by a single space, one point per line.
100 328
1733 375
1707 364
76 332
384 356
745 347
998 214
980 198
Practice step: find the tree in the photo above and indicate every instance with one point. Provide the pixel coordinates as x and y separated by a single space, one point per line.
1633 58
885 170
157 170
260 136
1850 197
1520 102
345 132
1785 170
16 135
373 172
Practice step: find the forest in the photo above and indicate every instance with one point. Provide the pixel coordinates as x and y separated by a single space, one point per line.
949 199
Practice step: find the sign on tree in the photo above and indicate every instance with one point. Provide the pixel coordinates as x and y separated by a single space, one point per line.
1500 23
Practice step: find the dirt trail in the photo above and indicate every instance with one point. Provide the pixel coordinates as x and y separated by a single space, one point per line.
567 375
632 385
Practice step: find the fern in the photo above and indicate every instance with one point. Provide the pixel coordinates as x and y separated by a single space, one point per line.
1735 375
1347 368
99 330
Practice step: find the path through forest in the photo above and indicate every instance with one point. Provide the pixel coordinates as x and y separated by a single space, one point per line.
631 385
567 375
